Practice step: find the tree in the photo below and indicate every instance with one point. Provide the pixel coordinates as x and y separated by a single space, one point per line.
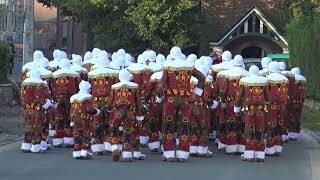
303 24
164 23
105 19
293 9
135 24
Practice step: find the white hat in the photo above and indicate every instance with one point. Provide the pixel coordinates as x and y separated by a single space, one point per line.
238 60
150 55
175 53
141 59
64 63
43 62
226 56
76 59
55 53
282 66
121 52
296 70
274 67
192 58
38 54
102 63
199 62
87 55
182 57
121 61
62 55
124 75
84 87
254 70
160 59
103 55
203 69
128 57
265 62
95 52
207 61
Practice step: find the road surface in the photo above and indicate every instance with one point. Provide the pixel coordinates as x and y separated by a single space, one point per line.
299 161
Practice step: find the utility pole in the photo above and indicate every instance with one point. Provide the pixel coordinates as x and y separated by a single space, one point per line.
10 17
28 41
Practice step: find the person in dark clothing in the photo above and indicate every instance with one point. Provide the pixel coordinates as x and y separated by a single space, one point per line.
11 62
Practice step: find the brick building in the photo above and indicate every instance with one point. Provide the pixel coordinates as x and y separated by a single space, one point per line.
55 31
251 28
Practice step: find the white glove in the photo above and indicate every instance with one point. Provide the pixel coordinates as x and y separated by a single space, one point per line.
214 104
145 107
140 118
52 104
198 91
159 100
56 105
47 104
72 124
98 112
237 109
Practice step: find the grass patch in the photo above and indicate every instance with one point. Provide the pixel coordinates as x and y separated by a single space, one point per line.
310 119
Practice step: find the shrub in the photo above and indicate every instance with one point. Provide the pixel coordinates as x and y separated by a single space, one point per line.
304 42
4 63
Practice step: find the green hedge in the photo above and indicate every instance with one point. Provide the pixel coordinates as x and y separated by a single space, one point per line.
4 63
304 46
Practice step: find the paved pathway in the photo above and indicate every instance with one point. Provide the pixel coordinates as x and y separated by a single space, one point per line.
300 160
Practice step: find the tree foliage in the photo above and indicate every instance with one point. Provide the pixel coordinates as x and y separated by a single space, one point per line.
304 43
293 9
4 62
135 24
164 23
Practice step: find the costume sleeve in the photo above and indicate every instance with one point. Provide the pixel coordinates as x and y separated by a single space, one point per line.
201 79
149 90
42 94
239 97
223 90
90 108
163 83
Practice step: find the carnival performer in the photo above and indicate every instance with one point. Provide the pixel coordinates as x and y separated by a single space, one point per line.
101 78
234 124
77 67
296 103
65 85
265 66
124 102
278 98
175 90
218 76
35 100
82 109
252 98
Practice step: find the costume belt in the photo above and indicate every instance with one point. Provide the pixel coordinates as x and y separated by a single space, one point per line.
255 107
100 99
200 103
178 92
129 107
35 106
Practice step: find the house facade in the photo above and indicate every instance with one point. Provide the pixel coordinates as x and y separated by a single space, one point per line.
251 28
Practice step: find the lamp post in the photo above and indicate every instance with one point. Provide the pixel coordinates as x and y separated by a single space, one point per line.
28 36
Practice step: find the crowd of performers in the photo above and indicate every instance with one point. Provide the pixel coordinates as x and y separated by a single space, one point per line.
173 105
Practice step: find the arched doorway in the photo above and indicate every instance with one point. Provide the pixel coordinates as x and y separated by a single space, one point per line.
253 52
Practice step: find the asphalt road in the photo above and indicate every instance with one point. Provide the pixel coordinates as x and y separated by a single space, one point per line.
299 161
